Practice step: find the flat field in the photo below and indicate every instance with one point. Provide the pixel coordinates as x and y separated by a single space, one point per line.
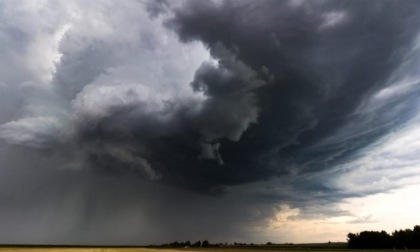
113 249
81 249
87 249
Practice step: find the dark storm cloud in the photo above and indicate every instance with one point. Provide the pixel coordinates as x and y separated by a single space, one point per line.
324 59
287 77
285 87
58 206
129 129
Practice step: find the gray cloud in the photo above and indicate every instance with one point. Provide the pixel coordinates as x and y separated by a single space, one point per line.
221 110
318 71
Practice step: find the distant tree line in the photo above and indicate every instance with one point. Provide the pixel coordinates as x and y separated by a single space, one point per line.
206 243
399 239
177 244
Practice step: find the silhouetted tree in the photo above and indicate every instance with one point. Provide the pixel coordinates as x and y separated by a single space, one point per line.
382 240
205 244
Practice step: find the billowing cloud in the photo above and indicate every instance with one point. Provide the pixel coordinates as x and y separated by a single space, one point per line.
241 112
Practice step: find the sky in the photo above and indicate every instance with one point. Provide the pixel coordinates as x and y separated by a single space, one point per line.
144 122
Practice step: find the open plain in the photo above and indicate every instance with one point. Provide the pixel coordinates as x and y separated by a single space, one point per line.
137 249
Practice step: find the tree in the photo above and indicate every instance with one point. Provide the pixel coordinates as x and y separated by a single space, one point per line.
205 244
400 239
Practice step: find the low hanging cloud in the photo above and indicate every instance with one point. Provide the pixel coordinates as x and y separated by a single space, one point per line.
270 103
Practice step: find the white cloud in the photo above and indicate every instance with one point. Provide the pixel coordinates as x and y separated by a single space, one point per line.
332 19
393 162
38 132
101 54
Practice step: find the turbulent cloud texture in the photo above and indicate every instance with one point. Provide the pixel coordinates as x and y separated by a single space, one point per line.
152 117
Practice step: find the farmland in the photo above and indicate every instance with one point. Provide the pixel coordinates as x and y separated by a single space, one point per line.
138 249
